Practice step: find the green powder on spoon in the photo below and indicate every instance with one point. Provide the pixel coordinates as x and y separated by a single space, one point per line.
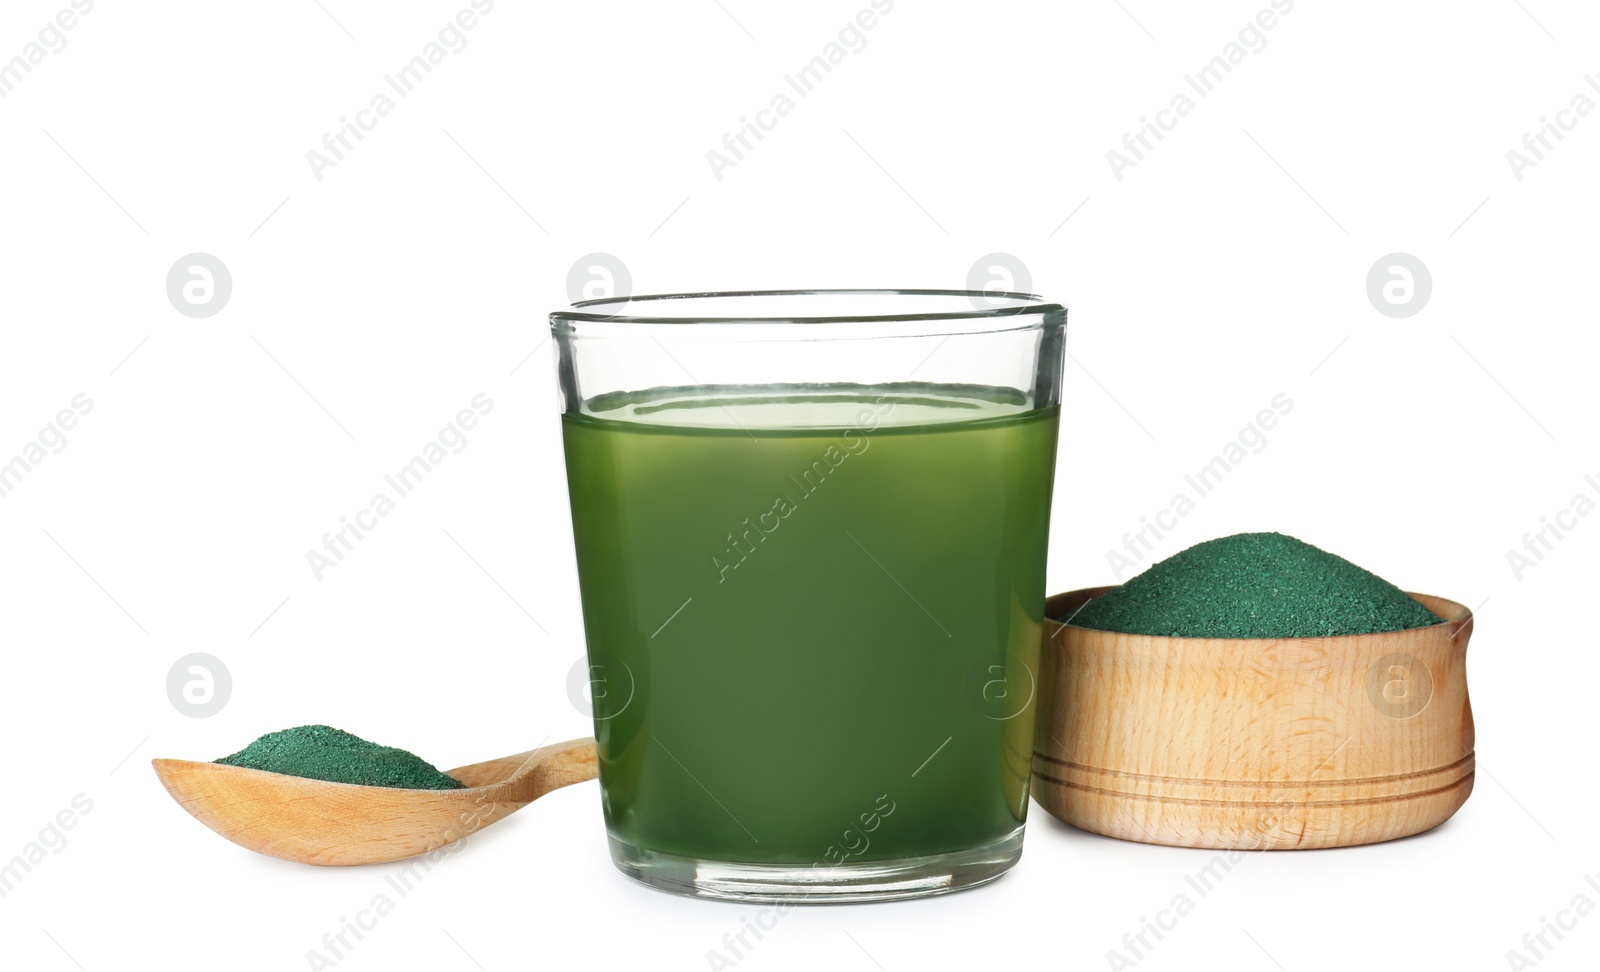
325 753
1255 585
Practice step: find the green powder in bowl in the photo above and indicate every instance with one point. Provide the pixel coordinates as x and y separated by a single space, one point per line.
1255 585
326 753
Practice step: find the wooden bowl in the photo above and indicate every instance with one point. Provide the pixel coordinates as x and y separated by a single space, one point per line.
1253 744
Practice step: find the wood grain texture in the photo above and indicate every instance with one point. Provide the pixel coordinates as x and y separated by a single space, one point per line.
1254 744
316 822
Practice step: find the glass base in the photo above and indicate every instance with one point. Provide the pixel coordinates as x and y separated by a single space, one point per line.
910 877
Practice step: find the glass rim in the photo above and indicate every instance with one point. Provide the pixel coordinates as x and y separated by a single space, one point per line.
1018 304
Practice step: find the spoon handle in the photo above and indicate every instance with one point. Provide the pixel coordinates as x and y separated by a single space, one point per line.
565 763
537 771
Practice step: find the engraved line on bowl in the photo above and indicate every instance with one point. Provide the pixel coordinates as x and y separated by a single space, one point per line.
1265 784
1193 802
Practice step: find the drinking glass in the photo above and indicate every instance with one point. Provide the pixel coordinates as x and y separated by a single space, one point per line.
811 531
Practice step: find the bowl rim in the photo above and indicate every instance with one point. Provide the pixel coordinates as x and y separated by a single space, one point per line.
1460 619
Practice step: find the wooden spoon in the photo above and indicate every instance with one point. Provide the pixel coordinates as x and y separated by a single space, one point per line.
317 822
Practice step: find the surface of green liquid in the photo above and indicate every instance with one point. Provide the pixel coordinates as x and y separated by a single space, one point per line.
813 615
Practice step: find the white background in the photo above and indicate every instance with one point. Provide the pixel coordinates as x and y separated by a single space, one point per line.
372 304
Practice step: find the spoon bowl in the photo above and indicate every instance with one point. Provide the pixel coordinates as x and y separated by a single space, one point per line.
335 824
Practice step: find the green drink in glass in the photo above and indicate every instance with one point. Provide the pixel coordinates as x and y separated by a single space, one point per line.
813 600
